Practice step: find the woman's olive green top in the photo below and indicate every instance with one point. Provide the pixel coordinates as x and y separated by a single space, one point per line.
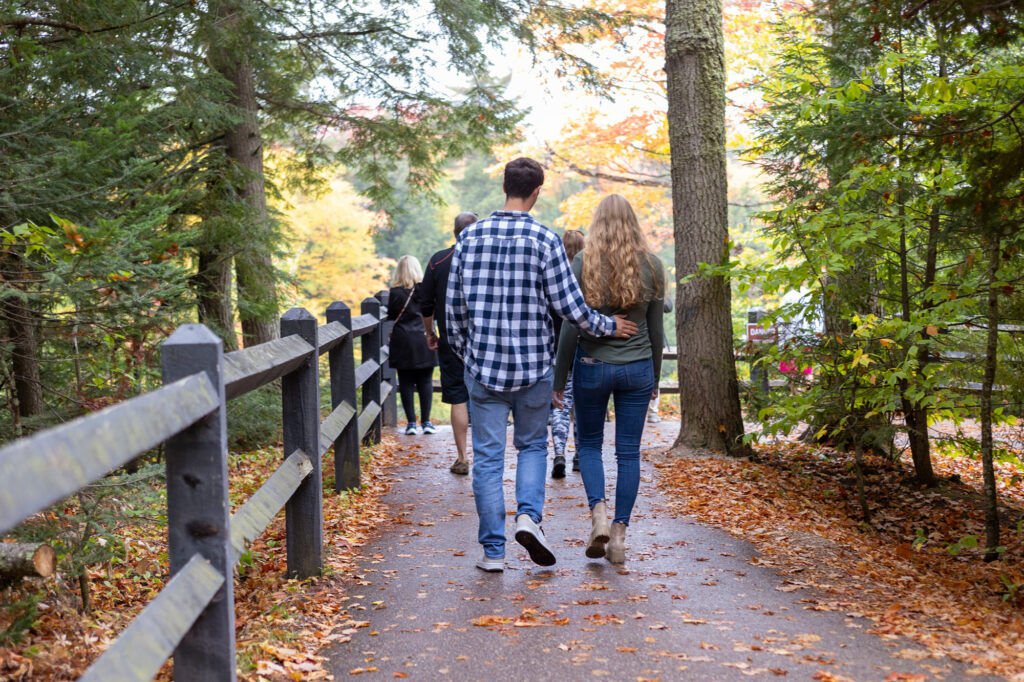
648 342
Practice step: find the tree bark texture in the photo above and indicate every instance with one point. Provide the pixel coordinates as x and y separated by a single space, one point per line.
915 414
254 269
212 284
22 326
991 350
695 66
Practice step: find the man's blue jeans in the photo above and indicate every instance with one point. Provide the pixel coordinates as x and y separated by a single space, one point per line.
529 407
631 386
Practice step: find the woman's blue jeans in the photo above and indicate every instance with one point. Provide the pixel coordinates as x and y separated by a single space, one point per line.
631 386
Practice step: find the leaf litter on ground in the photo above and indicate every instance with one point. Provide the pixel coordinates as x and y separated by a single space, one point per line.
281 624
798 504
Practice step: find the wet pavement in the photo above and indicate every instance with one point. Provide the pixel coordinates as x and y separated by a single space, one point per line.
687 605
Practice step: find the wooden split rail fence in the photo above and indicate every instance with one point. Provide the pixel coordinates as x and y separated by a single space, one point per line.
193 617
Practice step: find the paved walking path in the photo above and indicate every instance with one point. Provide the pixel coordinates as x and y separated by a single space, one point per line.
687 605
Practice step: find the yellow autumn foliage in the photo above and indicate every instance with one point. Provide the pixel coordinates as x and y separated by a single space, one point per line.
332 256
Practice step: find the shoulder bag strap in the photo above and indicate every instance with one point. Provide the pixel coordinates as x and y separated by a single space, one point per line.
401 312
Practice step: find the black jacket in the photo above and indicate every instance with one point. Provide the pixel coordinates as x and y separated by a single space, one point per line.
431 292
408 342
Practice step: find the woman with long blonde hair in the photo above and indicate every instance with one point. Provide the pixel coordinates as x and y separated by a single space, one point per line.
619 275
407 346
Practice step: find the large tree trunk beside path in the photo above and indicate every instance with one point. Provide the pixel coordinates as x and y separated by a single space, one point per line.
254 269
695 65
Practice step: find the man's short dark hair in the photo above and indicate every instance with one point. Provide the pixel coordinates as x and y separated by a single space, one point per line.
522 176
464 220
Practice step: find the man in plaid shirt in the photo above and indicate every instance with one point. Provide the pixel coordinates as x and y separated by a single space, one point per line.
508 272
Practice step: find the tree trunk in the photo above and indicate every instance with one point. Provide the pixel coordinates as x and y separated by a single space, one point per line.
914 414
212 284
254 269
695 65
18 560
22 322
991 350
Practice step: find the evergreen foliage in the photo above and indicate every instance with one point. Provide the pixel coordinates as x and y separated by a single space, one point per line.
134 134
891 138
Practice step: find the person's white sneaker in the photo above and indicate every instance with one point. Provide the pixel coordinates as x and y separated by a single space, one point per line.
530 536
489 564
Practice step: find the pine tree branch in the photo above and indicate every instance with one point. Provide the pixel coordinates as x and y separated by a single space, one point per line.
19 22
331 33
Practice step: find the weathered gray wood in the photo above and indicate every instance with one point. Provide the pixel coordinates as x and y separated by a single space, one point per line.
371 352
343 390
46 467
330 335
387 390
364 324
369 417
24 559
334 424
252 518
247 369
198 508
300 406
366 370
389 403
140 651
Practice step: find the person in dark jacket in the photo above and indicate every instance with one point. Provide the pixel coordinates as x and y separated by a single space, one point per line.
409 353
430 296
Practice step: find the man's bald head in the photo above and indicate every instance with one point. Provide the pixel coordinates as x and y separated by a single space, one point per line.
464 220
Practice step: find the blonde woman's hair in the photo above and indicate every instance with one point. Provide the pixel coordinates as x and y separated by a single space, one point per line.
572 240
615 258
408 273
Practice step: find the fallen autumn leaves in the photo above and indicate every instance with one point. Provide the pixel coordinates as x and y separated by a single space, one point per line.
799 507
280 624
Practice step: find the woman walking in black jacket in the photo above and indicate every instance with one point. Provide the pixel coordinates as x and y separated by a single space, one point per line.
408 351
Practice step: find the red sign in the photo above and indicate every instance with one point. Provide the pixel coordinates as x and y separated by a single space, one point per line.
758 334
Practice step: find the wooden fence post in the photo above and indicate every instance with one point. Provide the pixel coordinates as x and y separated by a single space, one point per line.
389 410
342 362
300 408
371 351
198 510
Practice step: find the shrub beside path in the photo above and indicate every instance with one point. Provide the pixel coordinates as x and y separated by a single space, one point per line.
688 604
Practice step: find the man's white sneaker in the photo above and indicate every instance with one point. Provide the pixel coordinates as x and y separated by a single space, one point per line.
530 536
491 565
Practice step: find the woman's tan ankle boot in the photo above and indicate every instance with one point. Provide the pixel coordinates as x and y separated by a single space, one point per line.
617 544
599 532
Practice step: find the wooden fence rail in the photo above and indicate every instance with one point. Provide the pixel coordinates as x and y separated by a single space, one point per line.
192 618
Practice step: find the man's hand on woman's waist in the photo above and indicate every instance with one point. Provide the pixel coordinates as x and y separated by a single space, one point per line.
624 328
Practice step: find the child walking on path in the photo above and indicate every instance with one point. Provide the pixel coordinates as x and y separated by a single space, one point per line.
561 417
619 275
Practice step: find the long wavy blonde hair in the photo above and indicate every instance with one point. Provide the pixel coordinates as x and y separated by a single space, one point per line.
408 273
616 256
